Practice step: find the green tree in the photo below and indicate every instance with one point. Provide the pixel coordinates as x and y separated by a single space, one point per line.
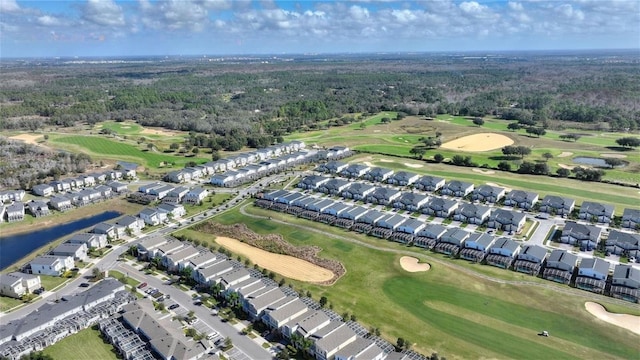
628 141
613 162
562 172
418 151
547 156
438 158
323 301
478 121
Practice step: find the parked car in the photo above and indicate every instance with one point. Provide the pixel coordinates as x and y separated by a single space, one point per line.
85 285
174 306
142 286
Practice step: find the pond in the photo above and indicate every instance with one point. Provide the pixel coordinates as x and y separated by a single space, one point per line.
15 247
598 162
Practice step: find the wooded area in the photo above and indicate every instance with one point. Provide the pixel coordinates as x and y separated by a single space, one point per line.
251 103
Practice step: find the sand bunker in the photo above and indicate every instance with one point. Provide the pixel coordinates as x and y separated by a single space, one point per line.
284 265
494 184
157 131
565 154
412 264
28 138
481 171
629 322
368 163
613 155
386 160
479 142
565 166
415 166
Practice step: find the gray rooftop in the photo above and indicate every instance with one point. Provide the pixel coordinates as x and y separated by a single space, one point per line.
536 251
505 243
599 265
563 257
623 271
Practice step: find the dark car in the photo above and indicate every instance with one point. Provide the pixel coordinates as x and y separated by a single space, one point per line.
38 291
85 285
174 306
142 286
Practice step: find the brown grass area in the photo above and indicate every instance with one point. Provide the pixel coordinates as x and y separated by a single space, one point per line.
629 322
284 265
479 142
274 244
28 138
160 131
412 264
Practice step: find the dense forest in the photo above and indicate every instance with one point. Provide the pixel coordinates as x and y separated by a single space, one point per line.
254 102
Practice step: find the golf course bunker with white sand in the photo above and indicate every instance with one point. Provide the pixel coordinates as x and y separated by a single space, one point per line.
284 265
627 321
478 142
411 264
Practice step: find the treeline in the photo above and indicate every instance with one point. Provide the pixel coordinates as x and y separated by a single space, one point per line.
252 104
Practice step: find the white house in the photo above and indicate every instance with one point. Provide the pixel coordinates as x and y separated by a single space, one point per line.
152 217
16 284
51 265
43 190
77 250
172 210
133 224
95 240
196 195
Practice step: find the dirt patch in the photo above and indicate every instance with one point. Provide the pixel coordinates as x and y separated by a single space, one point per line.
565 154
158 131
274 244
613 155
414 166
494 184
565 166
629 322
369 164
412 264
479 142
284 265
481 171
386 160
28 138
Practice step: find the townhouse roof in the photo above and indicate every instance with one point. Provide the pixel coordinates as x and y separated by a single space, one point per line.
310 324
624 271
384 192
473 211
440 203
372 216
292 197
535 251
620 237
507 216
335 339
379 172
153 242
429 180
234 275
403 176
505 243
597 209
576 229
216 269
183 253
68 248
598 265
562 257
434 229
205 257
357 212
335 184
338 207
261 302
455 236
557 202
412 223
631 214
482 239
456 185
521 196
288 310
411 198
357 349
359 188
393 220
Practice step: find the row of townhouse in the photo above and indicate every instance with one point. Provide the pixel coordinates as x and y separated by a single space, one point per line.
162 213
415 202
52 322
170 194
478 247
82 181
61 202
551 204
195 173
262 299
588 237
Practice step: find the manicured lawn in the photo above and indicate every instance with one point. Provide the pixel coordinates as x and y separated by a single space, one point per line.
86 344
107 148
446 310
125 128
7 303
123 278
50 282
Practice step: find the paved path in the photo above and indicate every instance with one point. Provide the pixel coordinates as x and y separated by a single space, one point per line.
449 264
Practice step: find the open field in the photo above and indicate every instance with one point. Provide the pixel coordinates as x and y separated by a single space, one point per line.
27 138
86 344
618 196
398 137
626 321
478 142
284 265
448 311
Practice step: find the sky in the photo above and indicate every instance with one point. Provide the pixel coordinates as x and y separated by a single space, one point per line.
102 28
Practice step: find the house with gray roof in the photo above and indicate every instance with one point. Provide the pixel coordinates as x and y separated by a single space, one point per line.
15 211
319 205
176 194
593 211
38 208
506 220
78 251
403 178
233 277
134 224
560 266
521 199
385 226
502 252
355 213
437 206
311 324
428 236
472 213
312 182
51 265
383 196
530 259
275 194
202 260
176 261
592 275
277 318
361 349
11 195
371 217
333 167
358 191
476 246
451 241
42 190
429 183
255 306
355 170
488 193
326 347
625 283
620 242
336 208
16 284
152 216
457 188
410 201
148 246
60 203
334 186
118 187
207 275
586 236
91 240
378 174
556 205
631 219
411 226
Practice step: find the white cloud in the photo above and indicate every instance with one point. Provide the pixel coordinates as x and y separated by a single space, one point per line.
9 6
569 12
358 12
104 13
48 20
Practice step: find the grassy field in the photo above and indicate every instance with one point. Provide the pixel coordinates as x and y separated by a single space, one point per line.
101 147
398 137
124 278
86 344
447 311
